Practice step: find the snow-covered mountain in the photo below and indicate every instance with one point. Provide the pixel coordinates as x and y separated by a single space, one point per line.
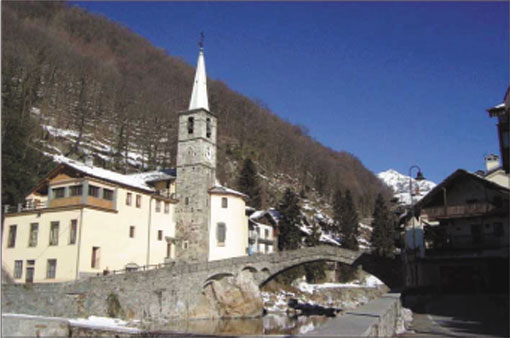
399 183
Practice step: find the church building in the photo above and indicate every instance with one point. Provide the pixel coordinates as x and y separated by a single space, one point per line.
82 220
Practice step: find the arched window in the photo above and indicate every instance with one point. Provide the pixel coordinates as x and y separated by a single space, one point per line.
208 128
221 233
191 122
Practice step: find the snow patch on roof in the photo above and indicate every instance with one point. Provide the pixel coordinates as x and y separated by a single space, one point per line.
135 180
224 190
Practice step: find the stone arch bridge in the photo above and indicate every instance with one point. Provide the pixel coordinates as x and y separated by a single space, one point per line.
176 290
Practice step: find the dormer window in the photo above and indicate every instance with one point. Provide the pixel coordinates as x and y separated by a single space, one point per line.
191 122
208 128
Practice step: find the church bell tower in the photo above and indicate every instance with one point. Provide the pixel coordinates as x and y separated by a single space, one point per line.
196 170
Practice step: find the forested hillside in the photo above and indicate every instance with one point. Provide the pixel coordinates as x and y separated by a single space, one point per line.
74 83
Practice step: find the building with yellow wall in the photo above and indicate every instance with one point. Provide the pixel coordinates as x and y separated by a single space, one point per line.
83 220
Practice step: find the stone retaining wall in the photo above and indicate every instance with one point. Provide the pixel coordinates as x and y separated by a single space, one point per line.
378 318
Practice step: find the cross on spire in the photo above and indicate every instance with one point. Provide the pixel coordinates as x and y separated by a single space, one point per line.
201 42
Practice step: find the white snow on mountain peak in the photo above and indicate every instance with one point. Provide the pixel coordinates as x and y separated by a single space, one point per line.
399 183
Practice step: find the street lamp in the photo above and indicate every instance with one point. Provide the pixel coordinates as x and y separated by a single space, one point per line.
419 177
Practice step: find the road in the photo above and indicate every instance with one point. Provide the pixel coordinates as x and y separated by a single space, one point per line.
479 315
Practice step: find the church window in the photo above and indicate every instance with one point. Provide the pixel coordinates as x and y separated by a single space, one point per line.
224 202
208 128
221 233
191 122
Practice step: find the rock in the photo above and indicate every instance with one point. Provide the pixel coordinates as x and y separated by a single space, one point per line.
229 297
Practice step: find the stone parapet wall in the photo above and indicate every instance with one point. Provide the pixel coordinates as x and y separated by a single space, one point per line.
157 295
378 318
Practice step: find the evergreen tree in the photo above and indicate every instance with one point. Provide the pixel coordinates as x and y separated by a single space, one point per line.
289 237
338 214
248 183
383 233
349 223
316 271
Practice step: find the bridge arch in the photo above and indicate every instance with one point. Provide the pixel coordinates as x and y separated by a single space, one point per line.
216 277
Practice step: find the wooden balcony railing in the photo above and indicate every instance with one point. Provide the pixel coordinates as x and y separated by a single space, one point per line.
456 211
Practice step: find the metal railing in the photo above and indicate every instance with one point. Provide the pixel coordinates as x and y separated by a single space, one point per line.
148 267
27 206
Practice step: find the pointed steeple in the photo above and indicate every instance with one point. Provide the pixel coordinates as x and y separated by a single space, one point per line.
199 94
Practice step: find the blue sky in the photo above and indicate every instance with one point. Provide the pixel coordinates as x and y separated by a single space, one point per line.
395 84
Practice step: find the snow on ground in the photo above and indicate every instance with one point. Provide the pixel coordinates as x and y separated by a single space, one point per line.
366 227
104 323
57 132
369 282
306 328
90 322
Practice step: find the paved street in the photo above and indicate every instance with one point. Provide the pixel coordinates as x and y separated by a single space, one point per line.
462 316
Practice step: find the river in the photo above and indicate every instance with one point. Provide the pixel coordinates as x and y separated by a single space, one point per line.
270 324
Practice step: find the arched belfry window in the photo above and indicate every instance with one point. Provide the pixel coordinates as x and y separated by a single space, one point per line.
208 128
191 122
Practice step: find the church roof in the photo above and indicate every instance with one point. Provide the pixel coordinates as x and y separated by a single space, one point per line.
219 189
199 94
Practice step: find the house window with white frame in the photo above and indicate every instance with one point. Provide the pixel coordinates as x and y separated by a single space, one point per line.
18 269
73 231
32 238
54 227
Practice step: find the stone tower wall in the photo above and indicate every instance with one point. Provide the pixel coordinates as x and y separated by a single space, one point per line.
196 174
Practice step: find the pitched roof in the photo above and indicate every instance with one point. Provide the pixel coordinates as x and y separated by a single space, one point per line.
137 180
219 189
454 176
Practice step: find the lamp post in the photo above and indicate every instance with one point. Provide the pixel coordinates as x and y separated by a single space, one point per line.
419 177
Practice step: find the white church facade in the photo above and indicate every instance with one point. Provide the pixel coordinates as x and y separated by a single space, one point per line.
83 220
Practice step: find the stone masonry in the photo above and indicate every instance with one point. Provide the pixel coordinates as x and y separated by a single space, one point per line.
156 295
196 174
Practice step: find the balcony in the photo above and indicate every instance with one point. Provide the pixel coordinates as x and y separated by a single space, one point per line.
465 244
458 211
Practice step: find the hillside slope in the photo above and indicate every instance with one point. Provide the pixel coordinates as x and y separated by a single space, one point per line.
74 83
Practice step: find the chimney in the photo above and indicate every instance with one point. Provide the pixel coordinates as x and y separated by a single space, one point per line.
89 160
491 162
